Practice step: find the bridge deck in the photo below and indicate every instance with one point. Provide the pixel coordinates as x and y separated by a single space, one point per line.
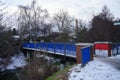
65 49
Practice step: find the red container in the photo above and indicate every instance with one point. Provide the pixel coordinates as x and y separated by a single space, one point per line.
103 48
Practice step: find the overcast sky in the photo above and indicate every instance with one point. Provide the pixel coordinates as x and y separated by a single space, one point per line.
83 9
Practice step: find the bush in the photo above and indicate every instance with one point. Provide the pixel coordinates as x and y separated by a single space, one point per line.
38 69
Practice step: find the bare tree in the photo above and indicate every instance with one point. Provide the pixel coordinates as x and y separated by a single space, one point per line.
32 19
2 16
81 31
46 30
23 20
63 21
7 48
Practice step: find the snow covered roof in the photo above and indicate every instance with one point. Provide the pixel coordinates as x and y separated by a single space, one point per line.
16 36
85 44
102 42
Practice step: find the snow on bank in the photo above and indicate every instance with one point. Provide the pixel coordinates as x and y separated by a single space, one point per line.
95 70
17 61
116 57
114 51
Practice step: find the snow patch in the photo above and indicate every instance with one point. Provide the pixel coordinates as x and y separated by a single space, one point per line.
17 61
95 70
117 57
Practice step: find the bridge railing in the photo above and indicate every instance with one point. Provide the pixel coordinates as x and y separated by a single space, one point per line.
67 49
115 48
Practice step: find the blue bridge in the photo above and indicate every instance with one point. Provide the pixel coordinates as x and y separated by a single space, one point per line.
65 49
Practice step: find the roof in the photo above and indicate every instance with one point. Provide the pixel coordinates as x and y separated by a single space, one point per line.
85 44
102 42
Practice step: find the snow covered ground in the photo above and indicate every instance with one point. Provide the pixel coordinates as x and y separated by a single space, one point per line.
101 68
17 61
116 57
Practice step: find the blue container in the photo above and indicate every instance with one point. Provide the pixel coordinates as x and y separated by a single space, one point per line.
86 55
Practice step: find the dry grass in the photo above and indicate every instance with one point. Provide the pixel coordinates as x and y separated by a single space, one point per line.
38 69
60 75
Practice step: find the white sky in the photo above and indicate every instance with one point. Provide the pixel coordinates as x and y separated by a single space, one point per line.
83 9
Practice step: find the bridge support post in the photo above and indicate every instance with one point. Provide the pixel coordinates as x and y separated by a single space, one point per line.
65 54
62 64
28 55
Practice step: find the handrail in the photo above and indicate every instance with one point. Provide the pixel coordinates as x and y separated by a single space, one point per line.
66 49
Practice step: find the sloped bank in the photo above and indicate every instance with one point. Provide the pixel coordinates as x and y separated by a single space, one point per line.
60 75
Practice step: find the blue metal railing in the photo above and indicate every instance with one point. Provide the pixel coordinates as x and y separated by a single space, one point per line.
115 48
67 49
